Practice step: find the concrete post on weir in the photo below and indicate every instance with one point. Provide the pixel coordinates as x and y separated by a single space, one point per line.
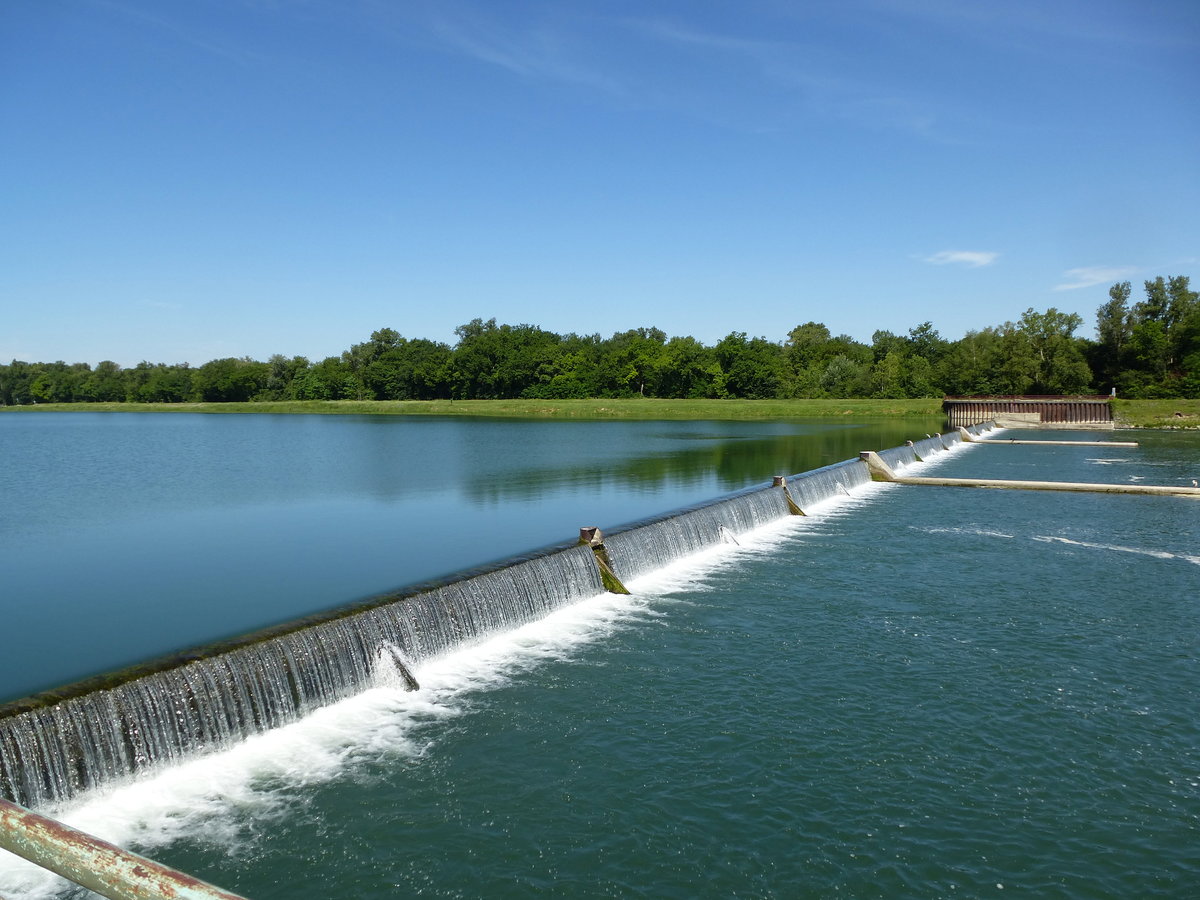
95 864
880 471
594 538
793 508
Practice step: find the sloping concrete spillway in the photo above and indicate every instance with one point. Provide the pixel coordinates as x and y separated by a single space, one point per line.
55 745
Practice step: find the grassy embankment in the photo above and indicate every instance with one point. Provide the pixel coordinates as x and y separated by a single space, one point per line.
1157 413
1129 413
635 408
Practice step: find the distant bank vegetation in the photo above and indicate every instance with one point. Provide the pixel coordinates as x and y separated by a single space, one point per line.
1144 349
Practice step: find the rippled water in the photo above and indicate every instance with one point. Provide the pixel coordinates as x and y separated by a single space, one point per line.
914 692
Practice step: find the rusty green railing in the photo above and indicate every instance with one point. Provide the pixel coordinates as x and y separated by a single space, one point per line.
95 864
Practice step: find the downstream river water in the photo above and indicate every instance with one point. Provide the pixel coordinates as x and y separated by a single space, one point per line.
911 692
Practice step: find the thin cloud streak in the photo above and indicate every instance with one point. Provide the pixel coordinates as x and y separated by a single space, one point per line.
819 83
784 75
189 35
1090 276
972 259
536 50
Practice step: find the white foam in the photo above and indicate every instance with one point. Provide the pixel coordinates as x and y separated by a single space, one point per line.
1139 461
1157 554
963 529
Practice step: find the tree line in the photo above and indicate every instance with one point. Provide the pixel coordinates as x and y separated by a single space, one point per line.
1148 348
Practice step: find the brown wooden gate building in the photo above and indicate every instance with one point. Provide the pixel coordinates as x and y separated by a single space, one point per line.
1061 412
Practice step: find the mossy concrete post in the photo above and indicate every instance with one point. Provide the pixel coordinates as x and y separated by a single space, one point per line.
793 507
410 681
880 471
594 538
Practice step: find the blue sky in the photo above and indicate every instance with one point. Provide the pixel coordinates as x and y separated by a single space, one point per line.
182 181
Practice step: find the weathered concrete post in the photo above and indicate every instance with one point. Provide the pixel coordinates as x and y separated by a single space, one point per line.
793 508
406 675
880 471
594 538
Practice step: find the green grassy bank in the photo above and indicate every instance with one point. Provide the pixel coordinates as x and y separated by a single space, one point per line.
1157 413
636 408
1129 413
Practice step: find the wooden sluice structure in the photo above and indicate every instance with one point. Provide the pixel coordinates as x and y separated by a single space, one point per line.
1027 412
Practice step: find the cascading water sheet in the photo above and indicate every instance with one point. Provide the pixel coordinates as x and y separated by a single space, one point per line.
53 753
928 448
811 488
898 457
642 548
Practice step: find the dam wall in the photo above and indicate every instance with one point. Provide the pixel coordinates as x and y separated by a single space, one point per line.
62 743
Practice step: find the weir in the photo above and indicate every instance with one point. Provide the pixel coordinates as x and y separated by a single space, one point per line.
56 745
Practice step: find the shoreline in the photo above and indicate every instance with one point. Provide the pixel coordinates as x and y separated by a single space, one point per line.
1164 415
596 409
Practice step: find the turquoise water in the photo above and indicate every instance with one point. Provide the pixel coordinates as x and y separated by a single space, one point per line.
914 692
147 533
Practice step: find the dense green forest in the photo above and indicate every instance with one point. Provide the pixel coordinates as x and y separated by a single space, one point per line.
1149 348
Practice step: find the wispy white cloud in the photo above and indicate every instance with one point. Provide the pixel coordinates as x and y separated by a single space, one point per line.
1144 26
172 25
1090 276
549 48
674 33
972 259
793 72
756 82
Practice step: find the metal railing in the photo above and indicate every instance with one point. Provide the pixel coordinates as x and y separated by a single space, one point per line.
95 864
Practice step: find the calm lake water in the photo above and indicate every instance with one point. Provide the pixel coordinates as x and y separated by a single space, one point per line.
913 692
